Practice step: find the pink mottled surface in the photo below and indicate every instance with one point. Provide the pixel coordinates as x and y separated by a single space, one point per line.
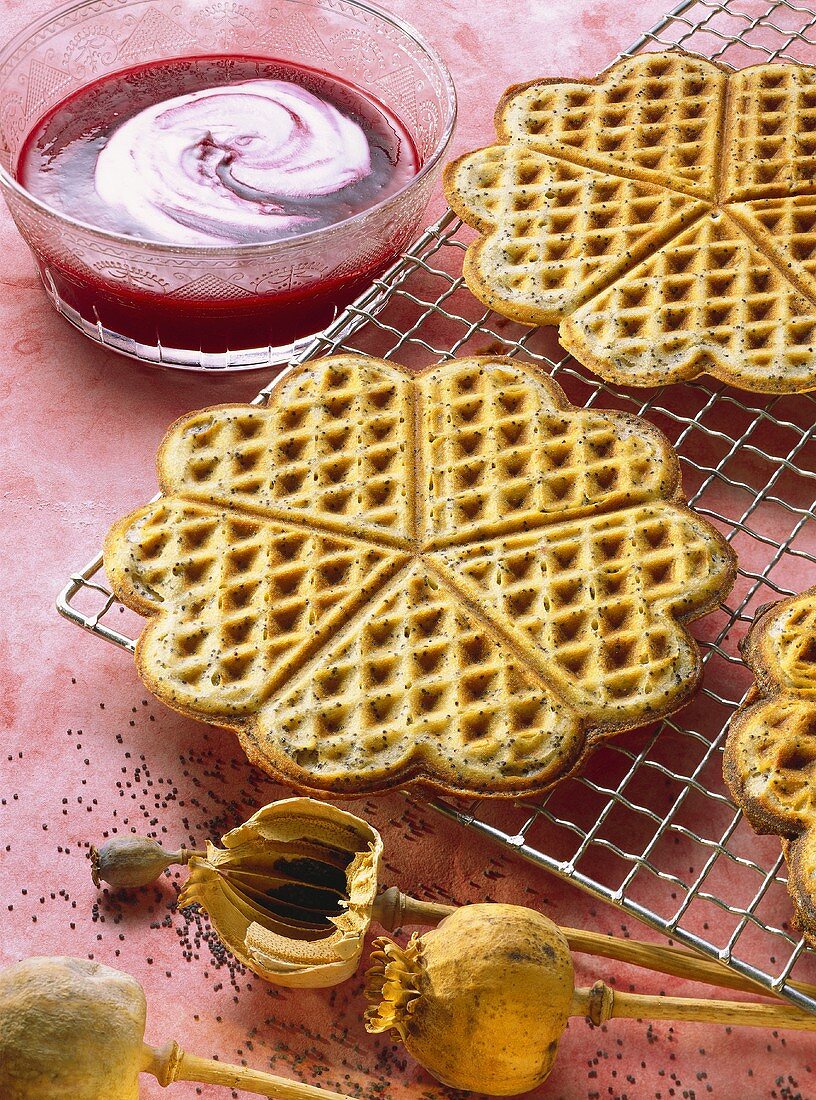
87 754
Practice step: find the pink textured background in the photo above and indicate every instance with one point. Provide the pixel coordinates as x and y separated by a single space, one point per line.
86 754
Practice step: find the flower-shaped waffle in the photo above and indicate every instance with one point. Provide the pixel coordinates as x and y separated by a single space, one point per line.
770 754
664 213
456 577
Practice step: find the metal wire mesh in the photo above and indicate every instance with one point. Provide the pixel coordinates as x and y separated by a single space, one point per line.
647 826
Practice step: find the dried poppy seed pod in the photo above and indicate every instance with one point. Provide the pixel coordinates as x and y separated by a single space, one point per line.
132 861
71 1029
291 893
481 1001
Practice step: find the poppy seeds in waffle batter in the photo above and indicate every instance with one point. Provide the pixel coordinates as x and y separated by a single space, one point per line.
662 214
456 577
771 747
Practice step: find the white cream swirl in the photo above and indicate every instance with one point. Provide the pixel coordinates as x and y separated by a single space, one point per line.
231 164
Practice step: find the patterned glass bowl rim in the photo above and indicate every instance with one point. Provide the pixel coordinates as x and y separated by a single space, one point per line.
7 180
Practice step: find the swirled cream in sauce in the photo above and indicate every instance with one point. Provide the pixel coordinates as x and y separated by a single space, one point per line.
249 158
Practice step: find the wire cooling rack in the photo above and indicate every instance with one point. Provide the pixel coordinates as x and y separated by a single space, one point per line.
648 825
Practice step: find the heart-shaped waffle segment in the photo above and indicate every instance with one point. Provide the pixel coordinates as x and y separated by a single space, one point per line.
770 754
456 577
663 214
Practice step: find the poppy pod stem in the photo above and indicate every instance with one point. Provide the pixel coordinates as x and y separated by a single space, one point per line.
600 1003
394 910
169 1064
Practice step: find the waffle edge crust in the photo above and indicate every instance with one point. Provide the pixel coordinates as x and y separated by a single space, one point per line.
770 752
455 578
662 214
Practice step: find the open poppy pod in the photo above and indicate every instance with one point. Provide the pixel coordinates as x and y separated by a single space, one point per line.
291 891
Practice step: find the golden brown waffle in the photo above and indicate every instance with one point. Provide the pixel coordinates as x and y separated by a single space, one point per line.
663 214
770 754
457 577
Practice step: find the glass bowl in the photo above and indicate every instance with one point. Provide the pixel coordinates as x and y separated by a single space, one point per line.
222 307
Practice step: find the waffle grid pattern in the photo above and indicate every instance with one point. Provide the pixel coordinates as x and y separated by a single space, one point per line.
339 447
214 569
573 229
649 828
262 567
771 748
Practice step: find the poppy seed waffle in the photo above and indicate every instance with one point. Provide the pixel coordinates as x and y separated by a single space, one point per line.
662 214
456 577
770 755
